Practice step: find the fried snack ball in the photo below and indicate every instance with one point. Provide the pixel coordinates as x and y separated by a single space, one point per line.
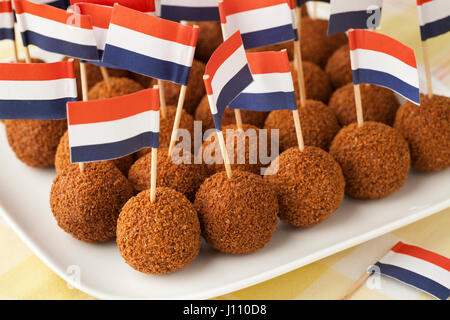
379 104
181 176
374 158
203 114
62 157
316 45
166 126
87 204
317 83
318 122
119 87
209 38
195 89
339 68
309 184
426 128
159 237
243 160
237 215
35 141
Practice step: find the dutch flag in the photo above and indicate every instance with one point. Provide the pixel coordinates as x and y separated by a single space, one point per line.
56 30
113 128
36 90
417 267
149 45
383 61
193 10
6 20
227 74
146 6
272 88
261 23
351 14
434 17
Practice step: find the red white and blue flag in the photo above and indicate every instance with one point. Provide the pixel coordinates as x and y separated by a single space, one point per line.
434 17
261 23
190 10
272 88
112 128
417 267
36 90
6 20
227 74
146 6
383 61
350 14
149 45
56 30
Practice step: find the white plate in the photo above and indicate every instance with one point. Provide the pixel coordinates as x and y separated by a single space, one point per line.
24 204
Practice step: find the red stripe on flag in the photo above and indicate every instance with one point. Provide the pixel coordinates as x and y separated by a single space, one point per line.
422 254
421 2
222 53
268 62
236 6
369 40
5 6
100 15
140 5
37 71
51 13
153 26
117 108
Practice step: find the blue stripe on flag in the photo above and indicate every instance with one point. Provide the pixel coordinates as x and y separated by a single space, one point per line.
67 48
387 80
230 91
414 279
114 150
435 28
265 101
152 67
34 109
341 22
302 2
268 36
62 4
177 13
6 33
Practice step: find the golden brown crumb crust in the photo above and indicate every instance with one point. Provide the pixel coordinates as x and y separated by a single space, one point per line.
319 125
317 83
184 178
158 237
87 204
237 215
426 128
309 184
62 157
375 159
209 38
119 87
35 141
338 67
379 104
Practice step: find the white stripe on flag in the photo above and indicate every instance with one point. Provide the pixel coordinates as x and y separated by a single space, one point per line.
196 3
433 11
212 104
113 131
256 20
6 20
38 90
100 36
56 30
342 6
419 266
150 46
228 70
271 82
374 60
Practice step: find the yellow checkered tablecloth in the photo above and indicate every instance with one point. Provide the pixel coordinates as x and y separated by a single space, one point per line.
24 276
